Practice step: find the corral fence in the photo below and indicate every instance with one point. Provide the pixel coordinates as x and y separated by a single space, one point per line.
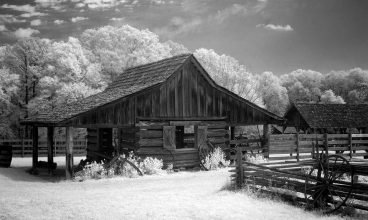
23 148
292 163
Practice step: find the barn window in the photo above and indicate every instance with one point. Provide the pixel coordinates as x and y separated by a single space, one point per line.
184 136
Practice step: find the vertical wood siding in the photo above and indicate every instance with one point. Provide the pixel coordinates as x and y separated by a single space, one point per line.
187 93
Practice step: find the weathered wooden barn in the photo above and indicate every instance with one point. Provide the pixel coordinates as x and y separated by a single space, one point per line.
328 118
166 109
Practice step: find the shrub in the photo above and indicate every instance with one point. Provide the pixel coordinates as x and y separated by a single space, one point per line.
95 170
255 158
151 166
215 159
92 170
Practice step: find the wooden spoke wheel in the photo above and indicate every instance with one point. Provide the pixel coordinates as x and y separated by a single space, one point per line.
329 184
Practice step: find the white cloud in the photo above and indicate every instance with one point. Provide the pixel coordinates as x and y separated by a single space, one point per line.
10 19
25 32
76 19
3 28
23 8
235 9
97 4
261 4
274 27
116 19
80 5
28 15
29 9
59 21
178 25
36 22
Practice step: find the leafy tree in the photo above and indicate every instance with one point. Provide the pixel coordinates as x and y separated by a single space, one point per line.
274 95
118 48
69 76
303 85
8 108
227 72
329 96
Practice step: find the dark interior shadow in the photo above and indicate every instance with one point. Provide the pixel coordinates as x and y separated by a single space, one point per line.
22 174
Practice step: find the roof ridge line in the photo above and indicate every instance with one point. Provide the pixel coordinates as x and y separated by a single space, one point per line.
158 61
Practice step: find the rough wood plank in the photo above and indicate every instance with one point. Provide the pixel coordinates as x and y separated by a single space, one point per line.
69 172
169 141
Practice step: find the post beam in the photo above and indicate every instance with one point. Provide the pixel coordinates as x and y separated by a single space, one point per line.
69 153
50 149
34 149
266 137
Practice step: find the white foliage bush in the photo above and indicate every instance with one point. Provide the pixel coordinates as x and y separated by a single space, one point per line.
94 170
215 160
152 165
257 158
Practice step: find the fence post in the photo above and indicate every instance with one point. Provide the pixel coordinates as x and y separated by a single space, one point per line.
266 137
22 145
240 176
350 143
297 145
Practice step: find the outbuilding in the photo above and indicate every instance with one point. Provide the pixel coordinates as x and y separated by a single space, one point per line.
328 118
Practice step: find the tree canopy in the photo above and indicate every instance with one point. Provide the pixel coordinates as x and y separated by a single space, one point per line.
38 74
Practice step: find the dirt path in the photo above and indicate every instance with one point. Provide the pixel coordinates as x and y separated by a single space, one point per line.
185 195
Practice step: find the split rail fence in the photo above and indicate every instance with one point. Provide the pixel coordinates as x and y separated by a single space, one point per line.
23 148
292 160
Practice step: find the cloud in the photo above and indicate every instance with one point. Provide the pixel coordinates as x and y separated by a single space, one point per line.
80 5
29 9
10 19
116 19
76 19
25 32
36 22
3 28
23 8
235 9
274 27
59 21
260 5
178 25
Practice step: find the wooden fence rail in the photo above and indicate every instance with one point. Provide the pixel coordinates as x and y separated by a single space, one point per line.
287 169
23 148
304 146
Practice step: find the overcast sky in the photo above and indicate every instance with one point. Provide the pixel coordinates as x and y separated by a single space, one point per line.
265 35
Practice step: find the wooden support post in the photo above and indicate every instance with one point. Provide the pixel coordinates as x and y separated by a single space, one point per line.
23 133
326 144
350 143
297 145
240 169
69 153
35 149
50 149
266 137
232 135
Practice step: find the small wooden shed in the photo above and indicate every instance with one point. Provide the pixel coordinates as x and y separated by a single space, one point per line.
165 109
327 118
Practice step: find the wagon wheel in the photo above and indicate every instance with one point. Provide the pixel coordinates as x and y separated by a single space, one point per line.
324 186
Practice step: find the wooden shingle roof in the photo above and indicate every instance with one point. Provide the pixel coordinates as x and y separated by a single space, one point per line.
333 115
131 81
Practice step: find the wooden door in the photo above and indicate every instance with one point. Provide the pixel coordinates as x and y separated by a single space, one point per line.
169 141
200 137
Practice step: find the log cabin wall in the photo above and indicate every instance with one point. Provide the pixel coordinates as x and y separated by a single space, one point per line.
155 141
